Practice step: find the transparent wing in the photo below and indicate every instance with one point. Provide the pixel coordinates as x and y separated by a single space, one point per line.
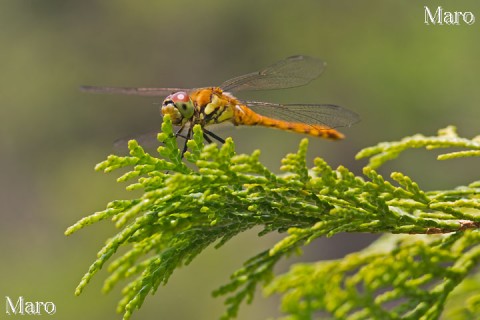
292 72
154 92
325 114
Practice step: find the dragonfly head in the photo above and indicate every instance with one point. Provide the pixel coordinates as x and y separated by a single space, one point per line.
179 106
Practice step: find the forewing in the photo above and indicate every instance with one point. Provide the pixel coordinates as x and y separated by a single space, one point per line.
291 72
154 92
328 115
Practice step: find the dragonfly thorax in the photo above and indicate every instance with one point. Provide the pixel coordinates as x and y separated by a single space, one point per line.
179 107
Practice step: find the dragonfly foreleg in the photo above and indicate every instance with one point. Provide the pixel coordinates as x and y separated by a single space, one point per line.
179 132
207 135
188 137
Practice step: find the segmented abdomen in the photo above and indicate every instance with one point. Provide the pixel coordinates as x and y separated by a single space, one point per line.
246 116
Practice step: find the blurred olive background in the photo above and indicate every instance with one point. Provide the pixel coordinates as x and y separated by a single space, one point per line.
402 76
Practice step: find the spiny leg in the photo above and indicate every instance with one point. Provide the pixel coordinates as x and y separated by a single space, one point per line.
209 134
207 138
188 137
179 132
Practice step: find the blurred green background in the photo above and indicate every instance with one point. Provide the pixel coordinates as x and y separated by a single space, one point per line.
401 76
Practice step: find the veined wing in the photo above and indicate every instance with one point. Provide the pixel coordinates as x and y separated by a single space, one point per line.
325 114
291 72
154 92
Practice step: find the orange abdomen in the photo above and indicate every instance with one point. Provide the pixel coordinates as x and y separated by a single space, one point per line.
246 116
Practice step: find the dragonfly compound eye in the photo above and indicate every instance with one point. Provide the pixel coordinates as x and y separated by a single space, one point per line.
179 106
183 103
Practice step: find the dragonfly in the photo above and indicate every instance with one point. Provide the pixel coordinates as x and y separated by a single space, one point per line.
214 105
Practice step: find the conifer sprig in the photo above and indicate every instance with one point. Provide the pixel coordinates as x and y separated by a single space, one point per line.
215 194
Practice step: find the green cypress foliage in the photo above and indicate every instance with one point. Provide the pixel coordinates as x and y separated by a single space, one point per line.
424 265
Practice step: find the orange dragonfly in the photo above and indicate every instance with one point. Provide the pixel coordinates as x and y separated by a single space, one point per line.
213 105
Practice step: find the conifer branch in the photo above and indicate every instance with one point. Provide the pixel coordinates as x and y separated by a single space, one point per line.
186 208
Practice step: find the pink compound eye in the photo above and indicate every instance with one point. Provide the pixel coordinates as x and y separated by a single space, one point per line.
179 106
180 96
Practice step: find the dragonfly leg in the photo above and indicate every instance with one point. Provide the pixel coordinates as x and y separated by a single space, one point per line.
210 134
206 137
179 132
188 137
